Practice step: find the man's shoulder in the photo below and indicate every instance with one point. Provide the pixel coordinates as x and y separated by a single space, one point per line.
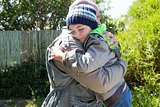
64 32
64 27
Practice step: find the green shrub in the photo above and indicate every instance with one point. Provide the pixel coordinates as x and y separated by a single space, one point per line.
141 41
148 95
140 45
142 54
28 80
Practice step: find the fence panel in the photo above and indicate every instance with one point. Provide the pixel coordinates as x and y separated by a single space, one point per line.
17 46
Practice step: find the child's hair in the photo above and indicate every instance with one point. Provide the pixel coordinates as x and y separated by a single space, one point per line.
82 14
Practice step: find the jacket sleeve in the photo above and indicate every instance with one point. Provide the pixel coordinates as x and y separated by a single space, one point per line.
102 79
97 53
99 80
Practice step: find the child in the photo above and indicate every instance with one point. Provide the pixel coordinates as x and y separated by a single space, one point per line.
81 20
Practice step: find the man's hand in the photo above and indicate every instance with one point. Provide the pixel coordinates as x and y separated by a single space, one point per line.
113 39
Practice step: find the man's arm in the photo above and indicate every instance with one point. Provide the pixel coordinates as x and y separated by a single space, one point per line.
109 38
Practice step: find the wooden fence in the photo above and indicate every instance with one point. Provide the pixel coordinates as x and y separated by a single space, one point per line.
17 46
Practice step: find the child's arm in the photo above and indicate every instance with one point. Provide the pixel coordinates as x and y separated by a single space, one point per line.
96 55
100 80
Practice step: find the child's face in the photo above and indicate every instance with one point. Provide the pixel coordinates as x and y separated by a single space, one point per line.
79 31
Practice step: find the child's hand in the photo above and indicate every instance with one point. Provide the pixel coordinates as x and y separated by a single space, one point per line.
113 39
56 53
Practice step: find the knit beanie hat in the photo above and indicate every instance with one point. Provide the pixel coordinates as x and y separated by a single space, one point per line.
82 14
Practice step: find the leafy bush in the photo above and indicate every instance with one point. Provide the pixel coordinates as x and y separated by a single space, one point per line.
148 95
141 42
28 80
140 45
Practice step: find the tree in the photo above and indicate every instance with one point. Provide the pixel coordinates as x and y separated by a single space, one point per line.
42 14
33 14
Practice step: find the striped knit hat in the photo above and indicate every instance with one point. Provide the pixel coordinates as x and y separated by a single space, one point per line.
82 14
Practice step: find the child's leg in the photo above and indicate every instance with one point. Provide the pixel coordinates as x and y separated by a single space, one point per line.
126 99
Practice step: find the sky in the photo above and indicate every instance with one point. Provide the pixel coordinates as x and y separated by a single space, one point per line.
119 7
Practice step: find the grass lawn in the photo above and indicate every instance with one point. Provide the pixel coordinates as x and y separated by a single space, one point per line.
21 103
